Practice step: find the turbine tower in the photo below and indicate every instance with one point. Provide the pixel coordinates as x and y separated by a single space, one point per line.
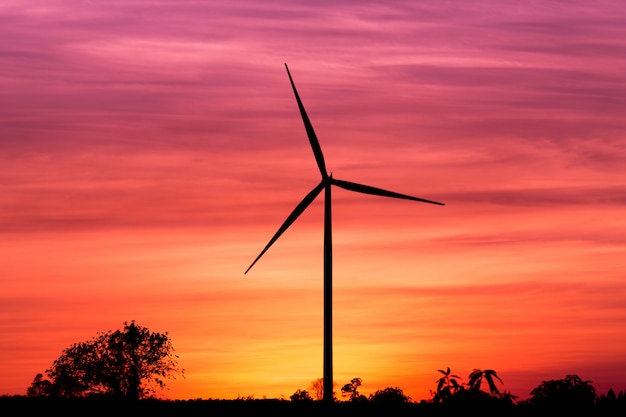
325 184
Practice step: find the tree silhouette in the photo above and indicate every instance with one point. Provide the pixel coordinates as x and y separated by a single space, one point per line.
301 395
389 396
611 404
351 390
447 385
477 376
126 363
317 389
571 392
40 387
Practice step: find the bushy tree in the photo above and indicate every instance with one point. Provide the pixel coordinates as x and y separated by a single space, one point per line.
568 393
40 387
301 395
127 363
317 389
389 396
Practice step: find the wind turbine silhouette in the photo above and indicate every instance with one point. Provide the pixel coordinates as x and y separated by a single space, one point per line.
325 184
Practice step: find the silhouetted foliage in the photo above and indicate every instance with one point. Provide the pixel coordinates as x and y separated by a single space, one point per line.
351 390
40 387
477 376
301 395
611 403
389 396
453 397
447 386
467 403
570 393
317 389
475 399
127 363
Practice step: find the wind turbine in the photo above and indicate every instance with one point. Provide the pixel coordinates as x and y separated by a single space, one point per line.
325 184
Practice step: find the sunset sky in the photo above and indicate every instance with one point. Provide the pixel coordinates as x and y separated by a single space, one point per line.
149 149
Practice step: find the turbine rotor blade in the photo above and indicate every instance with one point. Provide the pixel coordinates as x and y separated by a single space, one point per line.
366 189
315 144
292 217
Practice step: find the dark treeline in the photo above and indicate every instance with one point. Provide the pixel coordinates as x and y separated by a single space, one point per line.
106 406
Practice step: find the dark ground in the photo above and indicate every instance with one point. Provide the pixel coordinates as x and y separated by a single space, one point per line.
104 406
